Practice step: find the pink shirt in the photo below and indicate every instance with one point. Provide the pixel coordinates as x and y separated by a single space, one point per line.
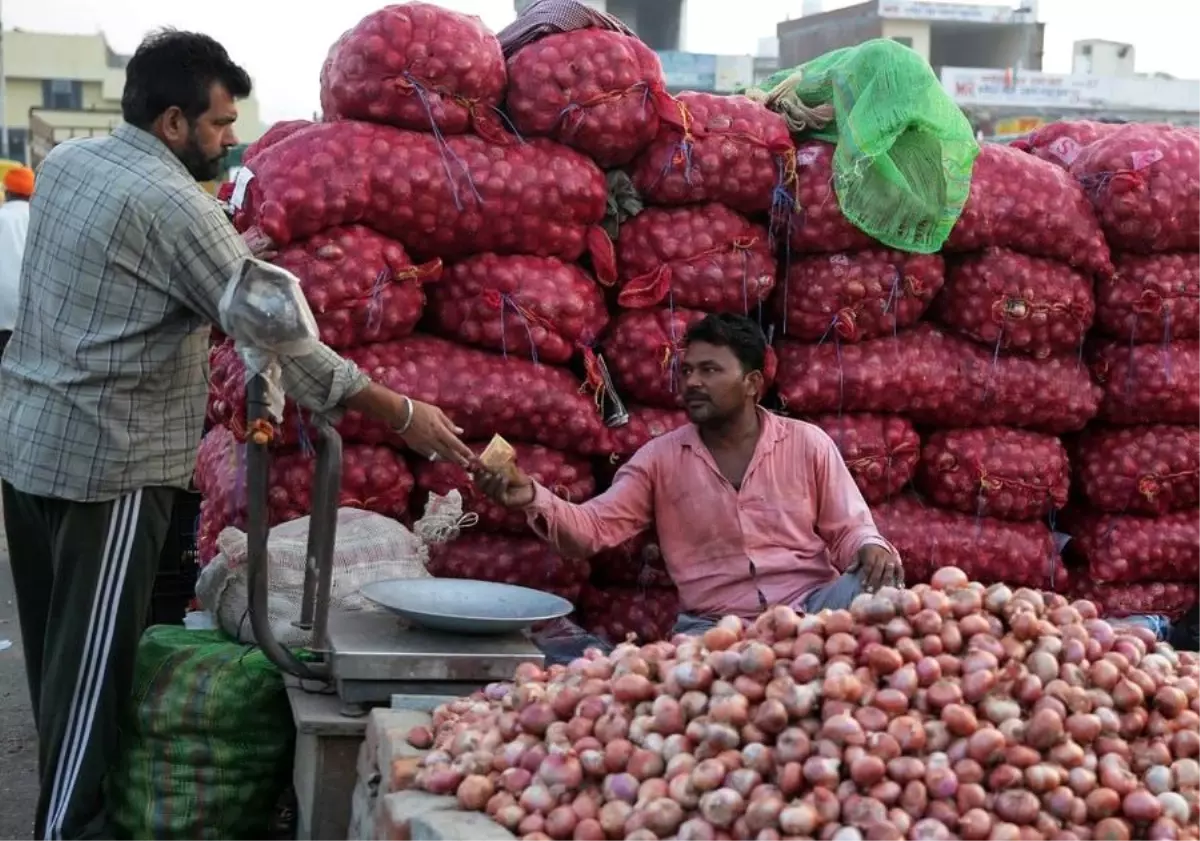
798 516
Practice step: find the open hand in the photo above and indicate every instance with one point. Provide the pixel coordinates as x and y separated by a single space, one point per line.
878 568
511 489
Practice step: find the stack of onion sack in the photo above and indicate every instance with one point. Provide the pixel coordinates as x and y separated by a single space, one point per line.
990 393
1135 527
374 478
711 177
938 712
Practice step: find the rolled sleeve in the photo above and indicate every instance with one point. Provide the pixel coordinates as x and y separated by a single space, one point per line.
322 381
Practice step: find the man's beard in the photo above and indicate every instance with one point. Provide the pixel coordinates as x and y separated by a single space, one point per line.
200 167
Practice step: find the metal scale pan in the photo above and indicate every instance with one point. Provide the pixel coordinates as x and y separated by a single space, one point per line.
466 607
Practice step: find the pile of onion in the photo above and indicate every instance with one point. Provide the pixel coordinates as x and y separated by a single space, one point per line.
949 710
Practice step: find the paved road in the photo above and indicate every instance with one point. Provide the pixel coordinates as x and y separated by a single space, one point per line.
18 741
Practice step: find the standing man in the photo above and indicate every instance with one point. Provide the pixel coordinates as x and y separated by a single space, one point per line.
104 397
751 509
14 225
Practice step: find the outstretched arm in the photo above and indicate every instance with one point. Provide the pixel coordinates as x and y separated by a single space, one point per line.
624 511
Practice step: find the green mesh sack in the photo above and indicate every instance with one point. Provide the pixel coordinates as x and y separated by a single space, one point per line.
902 166
208 751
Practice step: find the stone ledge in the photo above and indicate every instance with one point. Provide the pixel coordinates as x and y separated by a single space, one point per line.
456 826
396 812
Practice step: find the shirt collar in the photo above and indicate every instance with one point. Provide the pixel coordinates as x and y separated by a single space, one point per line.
147 143
771 430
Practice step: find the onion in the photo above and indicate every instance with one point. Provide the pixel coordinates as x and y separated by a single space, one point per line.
944 711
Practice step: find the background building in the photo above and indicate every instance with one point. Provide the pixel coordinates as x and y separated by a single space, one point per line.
61 86
944 34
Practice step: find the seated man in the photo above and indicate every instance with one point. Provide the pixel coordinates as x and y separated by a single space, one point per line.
751 509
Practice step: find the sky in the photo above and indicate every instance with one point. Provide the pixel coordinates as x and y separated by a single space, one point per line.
283 47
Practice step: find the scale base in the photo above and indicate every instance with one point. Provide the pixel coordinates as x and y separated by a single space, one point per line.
374 656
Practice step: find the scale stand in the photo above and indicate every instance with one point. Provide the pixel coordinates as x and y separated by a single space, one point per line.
369 657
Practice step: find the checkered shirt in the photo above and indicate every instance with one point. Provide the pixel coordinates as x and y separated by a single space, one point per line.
103 386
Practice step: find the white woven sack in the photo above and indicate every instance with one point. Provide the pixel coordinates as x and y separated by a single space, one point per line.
369 547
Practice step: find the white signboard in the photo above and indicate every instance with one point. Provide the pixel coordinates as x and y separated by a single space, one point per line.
961 12
1030 89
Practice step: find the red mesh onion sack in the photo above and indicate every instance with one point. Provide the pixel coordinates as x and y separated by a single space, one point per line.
857 295
986 549
417 66
818 225
486 394
643 350
277 132
391 314
645 424
506 559
207 531
636 563
1010 474
374 478
1145 183
938 379
1148 383
1160 598
567 475
351 265
1140 469
483 393
1031 206
1060 143
223 365
706 257
1123 549
362 287
449 197
716 148
535 307
881 451
1012 301
591 89
1150 298
642 615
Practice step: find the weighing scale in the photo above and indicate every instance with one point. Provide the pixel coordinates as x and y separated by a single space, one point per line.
369 658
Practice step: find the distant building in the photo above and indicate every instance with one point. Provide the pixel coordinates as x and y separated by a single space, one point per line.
63 86
1102 58
944 34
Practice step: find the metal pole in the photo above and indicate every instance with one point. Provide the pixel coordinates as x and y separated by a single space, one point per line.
3 94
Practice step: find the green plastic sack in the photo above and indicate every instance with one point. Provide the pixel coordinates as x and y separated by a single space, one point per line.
905 151
209 750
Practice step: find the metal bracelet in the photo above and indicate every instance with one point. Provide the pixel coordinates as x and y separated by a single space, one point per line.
400 430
